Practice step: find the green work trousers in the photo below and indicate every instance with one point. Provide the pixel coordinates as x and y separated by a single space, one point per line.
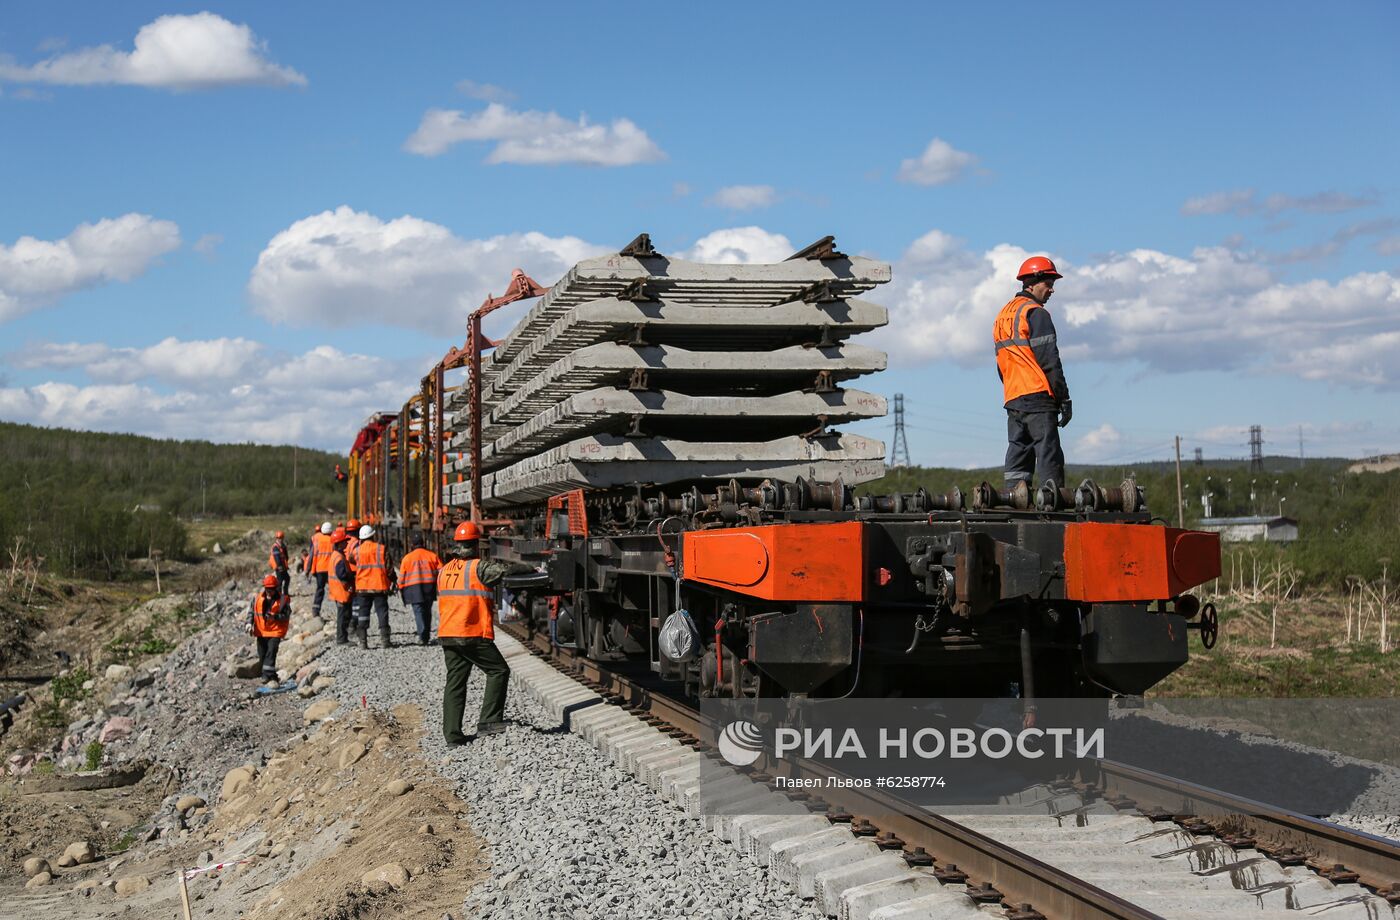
460 655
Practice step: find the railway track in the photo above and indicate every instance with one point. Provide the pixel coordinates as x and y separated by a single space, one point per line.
1030 885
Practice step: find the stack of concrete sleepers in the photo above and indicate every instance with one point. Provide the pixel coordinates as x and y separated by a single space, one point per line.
643 369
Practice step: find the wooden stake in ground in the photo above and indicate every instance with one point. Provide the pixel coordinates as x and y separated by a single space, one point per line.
155 560
185 896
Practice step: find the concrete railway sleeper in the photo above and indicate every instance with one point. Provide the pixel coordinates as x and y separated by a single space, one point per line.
1074 851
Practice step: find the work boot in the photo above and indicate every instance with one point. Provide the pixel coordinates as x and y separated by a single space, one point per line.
362 634
384 639
340 636
489 728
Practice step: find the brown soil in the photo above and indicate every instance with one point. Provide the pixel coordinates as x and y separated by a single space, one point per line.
310 825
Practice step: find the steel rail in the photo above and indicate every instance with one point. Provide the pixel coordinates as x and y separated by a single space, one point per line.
1334 851
1022 882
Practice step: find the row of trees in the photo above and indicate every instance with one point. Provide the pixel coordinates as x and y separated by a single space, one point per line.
87 502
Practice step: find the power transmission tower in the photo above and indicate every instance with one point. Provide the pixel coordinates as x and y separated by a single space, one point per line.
899 451
1200 458
1256 448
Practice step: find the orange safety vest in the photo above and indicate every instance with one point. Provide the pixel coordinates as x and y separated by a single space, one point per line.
465 608
272 562
271 618
371 573
419 567
340 591
351 544
321 549
1021 373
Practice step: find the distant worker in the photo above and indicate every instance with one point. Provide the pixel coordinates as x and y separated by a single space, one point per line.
340 474
374 579
321 548
418 584
279 562
340 582
1035 394
304 565
467 634
268 618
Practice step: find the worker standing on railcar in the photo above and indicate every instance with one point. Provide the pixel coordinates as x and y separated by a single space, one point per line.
321 548
418 584
280 563
467 633
269 616
341 585
375 577
1034 391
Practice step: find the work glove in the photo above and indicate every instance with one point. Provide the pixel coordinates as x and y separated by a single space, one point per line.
1066 412
250 629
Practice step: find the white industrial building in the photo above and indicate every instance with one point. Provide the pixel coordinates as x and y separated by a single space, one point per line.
1245 529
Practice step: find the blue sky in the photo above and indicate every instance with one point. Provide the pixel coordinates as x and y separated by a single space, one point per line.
245 222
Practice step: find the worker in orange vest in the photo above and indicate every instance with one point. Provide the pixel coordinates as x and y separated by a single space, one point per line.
268 618
321 549
340 582
418 584
280 563
352 542
467 633
1034 391
374 579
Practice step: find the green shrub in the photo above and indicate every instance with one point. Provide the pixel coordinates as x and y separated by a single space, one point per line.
93 755
70 685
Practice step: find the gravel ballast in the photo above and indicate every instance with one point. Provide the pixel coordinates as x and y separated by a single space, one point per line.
571 835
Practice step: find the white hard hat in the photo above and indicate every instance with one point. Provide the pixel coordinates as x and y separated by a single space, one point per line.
327 529
366 532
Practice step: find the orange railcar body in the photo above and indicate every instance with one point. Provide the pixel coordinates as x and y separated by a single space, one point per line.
781 562
1110 563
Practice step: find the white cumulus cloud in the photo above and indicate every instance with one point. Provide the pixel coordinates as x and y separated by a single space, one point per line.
939 164
739 246
535 138
486 92
226 390
347 267
743 197
1213 309
199 51
35 273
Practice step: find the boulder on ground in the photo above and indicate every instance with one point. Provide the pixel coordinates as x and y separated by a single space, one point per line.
322 682
117 672
80 852
398 787
34 865
132 884
186 802
320 711
395 875
40 880
116 728
350 753
236 781
247 667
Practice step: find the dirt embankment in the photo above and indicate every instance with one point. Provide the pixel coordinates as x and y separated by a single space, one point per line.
318 809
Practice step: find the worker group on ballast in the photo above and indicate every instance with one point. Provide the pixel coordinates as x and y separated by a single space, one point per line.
358 572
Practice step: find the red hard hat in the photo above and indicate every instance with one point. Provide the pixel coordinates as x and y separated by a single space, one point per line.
1037 265
339 535
280 535
352 524
270 581
467 530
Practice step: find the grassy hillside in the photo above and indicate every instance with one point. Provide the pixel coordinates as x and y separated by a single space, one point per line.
87 502
1348 523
